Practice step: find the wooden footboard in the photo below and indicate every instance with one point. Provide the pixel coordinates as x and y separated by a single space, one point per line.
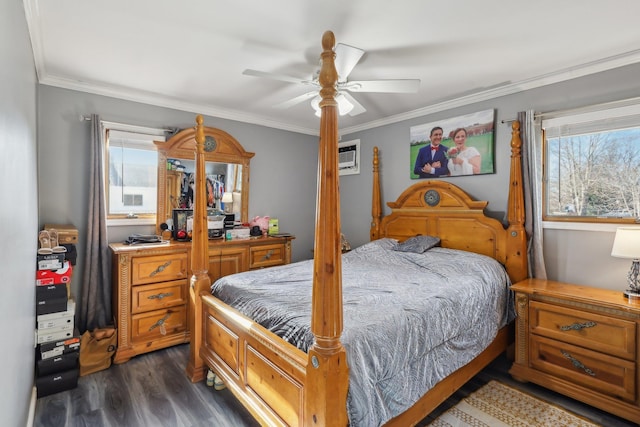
268 374
264 372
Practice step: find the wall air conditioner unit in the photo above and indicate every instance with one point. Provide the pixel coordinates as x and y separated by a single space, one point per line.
349 157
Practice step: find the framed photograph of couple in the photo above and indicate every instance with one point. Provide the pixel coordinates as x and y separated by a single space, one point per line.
458 146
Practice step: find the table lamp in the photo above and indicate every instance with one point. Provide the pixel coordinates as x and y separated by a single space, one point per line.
227 199
626 244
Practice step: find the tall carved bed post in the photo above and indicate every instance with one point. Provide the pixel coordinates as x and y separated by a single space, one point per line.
516 246
327 371
200 280
376 206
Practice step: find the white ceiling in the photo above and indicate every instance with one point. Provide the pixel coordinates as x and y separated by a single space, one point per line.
190 54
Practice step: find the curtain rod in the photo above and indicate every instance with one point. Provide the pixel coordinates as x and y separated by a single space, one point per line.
172 130
585 109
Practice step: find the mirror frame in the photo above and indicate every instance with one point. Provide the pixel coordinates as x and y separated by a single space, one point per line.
183 146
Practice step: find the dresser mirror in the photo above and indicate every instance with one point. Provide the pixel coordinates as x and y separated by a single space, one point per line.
227 171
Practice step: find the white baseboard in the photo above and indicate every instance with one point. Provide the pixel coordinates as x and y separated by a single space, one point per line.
32 407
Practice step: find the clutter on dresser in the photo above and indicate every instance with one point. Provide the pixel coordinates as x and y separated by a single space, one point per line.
262 222
56 337
273 226
144 239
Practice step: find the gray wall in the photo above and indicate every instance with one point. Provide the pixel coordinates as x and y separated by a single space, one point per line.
283 176
283 170
18 214
573 256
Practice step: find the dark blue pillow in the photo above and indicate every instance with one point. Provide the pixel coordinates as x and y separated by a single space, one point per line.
417 244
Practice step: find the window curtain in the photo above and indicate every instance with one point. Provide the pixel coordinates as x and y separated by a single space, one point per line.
95 302
532 171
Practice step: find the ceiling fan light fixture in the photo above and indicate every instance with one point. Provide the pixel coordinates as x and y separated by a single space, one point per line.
344 106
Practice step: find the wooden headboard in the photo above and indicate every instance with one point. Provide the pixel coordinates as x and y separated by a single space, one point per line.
439 208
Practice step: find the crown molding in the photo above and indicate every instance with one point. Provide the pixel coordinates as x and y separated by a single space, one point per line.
32 17
604 64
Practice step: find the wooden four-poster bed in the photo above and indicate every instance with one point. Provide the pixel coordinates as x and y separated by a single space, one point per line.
282 384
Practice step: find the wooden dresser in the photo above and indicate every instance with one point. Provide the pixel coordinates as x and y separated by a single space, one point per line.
151 286
580 341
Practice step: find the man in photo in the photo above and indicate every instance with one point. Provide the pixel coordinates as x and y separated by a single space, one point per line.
431 161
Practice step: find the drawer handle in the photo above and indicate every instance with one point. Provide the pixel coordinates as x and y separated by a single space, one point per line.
578 364
578 326
160 295
160 268
160 324
267 256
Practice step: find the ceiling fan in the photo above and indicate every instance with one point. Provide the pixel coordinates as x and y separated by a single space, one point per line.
346 59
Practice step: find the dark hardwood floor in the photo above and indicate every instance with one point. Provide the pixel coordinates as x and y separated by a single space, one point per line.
153 390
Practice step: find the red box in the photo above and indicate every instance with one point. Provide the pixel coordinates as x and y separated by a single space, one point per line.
54 277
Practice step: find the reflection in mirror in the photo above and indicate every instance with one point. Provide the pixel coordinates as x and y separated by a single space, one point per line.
227 174
223 186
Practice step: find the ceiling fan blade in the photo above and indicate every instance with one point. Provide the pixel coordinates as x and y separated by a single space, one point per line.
279 77
383 86
298 99
346 58
357 107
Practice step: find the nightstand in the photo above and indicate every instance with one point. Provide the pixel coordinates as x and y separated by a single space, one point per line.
580 341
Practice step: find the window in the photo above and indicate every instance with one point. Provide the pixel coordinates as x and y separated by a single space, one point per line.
131 172
592 165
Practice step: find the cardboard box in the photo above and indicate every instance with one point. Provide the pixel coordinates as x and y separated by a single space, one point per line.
54 334
56 276
49 292
55 348
58 319
57 323
67 233
51 305
60 363
50 262
55 383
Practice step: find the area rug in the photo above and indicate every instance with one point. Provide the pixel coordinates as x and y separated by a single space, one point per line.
498 405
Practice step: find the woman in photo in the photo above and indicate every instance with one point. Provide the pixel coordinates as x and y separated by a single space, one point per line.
463 160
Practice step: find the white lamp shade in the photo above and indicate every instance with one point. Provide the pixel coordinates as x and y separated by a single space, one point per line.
344 106
227 198
626 244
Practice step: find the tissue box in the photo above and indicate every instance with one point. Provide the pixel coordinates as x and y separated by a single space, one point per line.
240 233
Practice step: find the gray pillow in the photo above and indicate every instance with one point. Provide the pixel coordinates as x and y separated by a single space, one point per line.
417 244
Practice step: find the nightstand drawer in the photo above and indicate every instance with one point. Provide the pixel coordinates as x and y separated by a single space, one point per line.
266 256
158 295
602 373
157 324
151 269
609 335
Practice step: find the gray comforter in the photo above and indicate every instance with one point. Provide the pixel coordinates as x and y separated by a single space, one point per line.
409 319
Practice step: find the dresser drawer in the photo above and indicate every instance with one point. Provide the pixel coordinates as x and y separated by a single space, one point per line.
158 295
160 268
157 324
609 335
266 256
600 372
